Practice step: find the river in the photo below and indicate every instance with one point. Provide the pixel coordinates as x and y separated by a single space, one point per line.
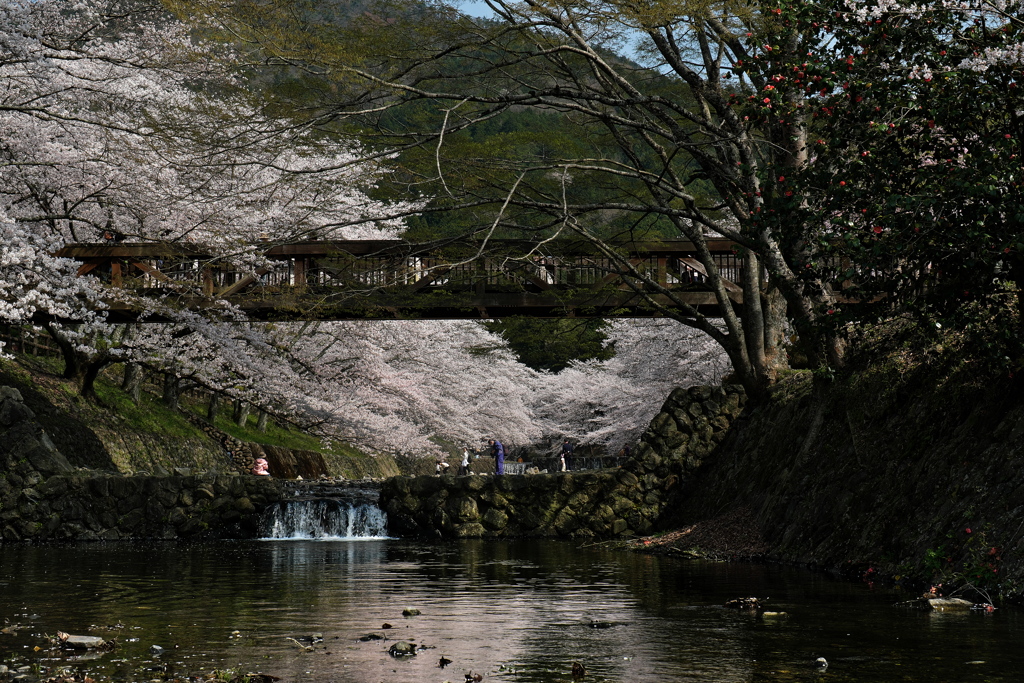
521 611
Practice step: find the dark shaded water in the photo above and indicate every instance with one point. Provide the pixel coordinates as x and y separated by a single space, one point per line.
513 611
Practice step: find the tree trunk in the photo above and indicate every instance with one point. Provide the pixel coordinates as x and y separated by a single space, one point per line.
241 412
213 407
73 360
77 366
92 371
774 305
261 421
131 383
172 391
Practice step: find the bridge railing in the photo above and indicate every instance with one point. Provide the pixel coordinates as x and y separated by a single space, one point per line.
353 265
387 278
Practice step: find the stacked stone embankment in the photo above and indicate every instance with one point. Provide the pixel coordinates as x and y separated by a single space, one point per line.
605 503
90 507
43 497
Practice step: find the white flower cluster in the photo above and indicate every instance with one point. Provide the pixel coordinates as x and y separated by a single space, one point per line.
1008 56
33 282
993 13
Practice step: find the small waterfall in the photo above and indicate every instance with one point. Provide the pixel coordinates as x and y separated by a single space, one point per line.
324 520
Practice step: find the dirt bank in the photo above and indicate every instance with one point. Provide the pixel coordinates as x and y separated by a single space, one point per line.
910 467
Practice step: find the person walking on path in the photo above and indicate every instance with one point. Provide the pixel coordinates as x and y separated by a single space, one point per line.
464 465
498 451
567 454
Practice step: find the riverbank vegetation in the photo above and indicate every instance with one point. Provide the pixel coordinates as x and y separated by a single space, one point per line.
902 467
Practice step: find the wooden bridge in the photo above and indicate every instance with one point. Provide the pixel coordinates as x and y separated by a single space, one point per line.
357 280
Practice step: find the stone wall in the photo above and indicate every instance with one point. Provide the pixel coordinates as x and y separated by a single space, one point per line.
571 504
91 507
603 504
690 426
43 497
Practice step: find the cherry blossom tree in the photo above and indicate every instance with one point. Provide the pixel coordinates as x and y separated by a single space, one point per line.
610 403
105 131
115 121
32 279
417 386
404 382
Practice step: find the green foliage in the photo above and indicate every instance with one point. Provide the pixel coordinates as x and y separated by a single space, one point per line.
914 189
552 345
308 54
275 435
967 562
149 416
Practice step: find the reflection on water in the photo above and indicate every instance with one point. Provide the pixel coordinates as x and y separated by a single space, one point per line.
514 611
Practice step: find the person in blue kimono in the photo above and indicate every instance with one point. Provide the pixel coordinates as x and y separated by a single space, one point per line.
498 451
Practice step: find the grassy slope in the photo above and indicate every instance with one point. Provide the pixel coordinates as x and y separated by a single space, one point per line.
118 435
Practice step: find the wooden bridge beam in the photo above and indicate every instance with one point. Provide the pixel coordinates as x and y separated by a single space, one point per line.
400 279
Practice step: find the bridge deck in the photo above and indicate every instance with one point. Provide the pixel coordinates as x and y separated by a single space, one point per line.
396 279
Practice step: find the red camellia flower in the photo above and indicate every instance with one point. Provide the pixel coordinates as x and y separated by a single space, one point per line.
842 182
968 529
877 229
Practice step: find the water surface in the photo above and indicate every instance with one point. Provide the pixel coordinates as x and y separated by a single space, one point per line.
513 611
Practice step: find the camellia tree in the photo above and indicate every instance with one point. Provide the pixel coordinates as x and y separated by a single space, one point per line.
914 181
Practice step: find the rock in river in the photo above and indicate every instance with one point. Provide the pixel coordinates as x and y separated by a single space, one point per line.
402 649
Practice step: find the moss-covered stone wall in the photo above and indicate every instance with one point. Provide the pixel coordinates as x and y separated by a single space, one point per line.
604 504
93 507
44 496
